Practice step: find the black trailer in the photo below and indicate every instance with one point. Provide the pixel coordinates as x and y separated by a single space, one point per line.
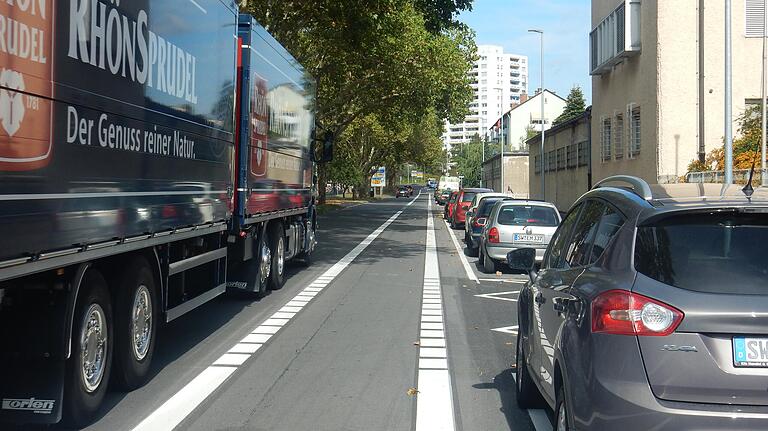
152 153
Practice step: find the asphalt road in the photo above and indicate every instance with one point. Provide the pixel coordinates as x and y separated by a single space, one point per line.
352 343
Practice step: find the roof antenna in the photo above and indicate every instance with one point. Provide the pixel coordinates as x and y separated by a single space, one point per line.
748 190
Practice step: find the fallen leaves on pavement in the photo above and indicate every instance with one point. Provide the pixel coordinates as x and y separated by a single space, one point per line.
412 392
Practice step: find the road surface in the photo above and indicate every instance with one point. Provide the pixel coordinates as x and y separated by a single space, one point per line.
391 328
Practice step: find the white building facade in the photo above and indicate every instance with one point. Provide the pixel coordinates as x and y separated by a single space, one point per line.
498 81
527 116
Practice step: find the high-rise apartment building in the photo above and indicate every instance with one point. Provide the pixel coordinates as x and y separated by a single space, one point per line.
498 81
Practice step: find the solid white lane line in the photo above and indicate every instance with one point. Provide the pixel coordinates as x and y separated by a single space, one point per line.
173 411
434 401
460 252
180 405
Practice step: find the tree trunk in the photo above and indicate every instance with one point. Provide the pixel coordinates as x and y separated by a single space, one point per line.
322 174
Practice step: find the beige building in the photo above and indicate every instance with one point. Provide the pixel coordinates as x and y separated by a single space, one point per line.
566 164
658 81
515 173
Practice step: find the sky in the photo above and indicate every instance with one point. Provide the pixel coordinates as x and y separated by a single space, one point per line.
566 25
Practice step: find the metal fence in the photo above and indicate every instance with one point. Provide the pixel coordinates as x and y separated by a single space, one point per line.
740 176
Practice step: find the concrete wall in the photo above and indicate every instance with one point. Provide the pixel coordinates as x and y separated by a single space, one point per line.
516 171
565 185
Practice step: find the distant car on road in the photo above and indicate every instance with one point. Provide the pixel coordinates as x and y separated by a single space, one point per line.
477 216
514 224
403 192
442 196
649 311
463 202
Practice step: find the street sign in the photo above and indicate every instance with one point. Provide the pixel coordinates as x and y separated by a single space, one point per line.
417 175
379 179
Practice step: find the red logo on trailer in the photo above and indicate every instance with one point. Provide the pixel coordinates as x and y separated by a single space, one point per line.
259 126
26 64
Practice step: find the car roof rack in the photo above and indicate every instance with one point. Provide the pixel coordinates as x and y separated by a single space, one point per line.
638 185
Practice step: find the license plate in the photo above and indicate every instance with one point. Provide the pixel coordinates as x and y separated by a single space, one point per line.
750 352
519 237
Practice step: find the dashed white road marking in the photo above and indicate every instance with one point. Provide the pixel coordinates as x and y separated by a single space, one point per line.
460 251
538 417
434 401
170 414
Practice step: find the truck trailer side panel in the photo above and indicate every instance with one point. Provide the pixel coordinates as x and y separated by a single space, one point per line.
276 122
117 121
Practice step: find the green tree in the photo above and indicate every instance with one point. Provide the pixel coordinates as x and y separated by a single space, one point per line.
574 106
469 159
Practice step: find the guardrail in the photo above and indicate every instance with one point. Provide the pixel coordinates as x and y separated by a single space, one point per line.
740 176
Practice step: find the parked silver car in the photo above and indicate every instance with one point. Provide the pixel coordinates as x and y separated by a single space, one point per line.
515 224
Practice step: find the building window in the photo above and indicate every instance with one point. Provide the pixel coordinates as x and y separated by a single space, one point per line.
605 140
560 158
551 161
571 156
753 15
536 165
634 132
618 141
583 156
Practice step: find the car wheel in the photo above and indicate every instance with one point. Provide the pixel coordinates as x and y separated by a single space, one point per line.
489 265
277 245
135 324
472 251
562 419
453 222
526 392
89 366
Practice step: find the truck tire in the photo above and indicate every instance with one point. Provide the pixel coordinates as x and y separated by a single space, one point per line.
264 266
277 245
136 309
88 367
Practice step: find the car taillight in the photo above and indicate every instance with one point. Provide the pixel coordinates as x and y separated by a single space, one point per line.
625 313
480 222
493 235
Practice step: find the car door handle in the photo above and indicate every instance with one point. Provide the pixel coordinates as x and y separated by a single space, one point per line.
539 299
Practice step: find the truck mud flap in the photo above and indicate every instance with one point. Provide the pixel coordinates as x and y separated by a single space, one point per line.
31 391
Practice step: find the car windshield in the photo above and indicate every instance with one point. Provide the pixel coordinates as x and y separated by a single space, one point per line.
527 215
714 253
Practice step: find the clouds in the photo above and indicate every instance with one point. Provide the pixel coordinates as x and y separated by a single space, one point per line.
566 25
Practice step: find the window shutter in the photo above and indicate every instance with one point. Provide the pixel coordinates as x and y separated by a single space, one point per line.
753 12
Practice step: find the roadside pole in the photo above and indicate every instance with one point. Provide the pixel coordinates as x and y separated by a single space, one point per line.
728 99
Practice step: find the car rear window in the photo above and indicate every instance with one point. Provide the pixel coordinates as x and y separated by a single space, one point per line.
713 253
527 215
468 196
485 207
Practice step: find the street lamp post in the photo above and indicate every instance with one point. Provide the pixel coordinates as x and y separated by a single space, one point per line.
541 84
501 157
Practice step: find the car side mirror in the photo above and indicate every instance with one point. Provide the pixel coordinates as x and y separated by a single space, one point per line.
470 213
523 259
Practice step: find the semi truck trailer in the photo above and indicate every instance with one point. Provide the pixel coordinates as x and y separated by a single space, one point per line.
153 155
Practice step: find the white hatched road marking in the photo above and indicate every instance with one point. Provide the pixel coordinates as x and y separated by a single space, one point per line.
499 295
170 414
506 329
460 251
434 401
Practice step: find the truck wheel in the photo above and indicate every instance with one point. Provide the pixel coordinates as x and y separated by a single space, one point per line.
277 245
90 363
135 324
264 262
306 257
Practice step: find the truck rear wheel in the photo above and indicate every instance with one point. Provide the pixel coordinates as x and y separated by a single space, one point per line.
89 365
135 324
277 245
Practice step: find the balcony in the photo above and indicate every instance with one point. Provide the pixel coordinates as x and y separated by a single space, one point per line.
616 38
